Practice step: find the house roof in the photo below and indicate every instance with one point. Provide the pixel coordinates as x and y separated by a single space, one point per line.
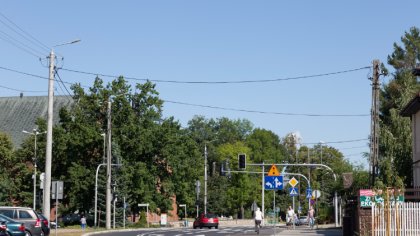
20 113
412 107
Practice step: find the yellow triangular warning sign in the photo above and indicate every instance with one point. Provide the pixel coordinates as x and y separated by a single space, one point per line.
273 171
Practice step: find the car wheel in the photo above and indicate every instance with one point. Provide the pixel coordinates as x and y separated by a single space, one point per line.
201 227
27 233
209 227
216 227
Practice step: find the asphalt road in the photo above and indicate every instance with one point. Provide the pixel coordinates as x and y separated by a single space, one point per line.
222 231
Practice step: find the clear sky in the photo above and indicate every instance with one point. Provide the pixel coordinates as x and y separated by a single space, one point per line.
218 40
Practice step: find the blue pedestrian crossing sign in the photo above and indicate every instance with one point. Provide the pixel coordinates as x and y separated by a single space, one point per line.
293 192
273 182
308 193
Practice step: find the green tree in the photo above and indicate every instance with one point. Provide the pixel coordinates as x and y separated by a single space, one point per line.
395 134
14 175
265 146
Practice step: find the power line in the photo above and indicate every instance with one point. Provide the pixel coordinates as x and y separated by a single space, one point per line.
12 41
56 72
354 154
23 73
345 141
220 108
19 90
40 44
364 146
267 112
221 82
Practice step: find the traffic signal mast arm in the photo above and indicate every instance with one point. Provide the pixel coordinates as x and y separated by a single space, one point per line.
303 164
307 165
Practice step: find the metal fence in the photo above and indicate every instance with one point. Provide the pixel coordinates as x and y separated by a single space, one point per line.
396 219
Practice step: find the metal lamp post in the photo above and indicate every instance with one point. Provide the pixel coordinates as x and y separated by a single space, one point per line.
35 133
96 191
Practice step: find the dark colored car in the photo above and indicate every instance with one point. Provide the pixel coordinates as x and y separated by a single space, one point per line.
25 215
206 220
44 224
13 228
70 219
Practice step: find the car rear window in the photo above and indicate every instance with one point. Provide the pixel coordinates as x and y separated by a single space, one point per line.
24 215
211 216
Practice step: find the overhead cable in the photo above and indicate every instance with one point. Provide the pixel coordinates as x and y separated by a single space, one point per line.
345 141
23 73
61 81
24 47
20 90
267 112
221 82
40 44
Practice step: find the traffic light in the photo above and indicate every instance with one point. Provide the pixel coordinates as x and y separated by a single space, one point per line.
242 161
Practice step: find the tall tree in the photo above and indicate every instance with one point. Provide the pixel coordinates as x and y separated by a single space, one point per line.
395 134
14 175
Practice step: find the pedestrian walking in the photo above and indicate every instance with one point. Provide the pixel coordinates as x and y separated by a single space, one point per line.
83 222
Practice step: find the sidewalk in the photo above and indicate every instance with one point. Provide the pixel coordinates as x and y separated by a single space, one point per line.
322 230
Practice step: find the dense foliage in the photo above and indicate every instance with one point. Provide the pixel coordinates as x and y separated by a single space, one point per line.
160 162
395 150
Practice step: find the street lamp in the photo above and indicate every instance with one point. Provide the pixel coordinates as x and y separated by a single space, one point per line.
48 152
205 179
104 148
96 191
34 133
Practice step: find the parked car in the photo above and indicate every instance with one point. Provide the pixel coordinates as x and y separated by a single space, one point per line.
296 221
206 220
70 219
44 224
303 220
13 228
25 215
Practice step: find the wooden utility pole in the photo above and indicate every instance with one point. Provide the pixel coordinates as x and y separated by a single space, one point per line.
374 125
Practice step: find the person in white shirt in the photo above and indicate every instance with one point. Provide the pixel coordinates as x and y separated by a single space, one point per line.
258 218
290 216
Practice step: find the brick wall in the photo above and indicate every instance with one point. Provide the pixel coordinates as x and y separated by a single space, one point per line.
365 221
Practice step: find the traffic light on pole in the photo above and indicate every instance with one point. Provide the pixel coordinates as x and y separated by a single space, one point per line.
242 161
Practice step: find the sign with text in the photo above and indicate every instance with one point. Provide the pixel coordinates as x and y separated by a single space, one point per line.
368 198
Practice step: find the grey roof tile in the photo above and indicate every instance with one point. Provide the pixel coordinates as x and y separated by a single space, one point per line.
20 113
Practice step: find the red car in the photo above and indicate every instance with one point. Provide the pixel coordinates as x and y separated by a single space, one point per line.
206 220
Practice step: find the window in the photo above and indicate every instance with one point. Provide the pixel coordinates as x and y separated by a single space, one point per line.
8 213
24 215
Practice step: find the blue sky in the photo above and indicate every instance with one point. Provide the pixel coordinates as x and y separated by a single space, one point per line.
220 41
